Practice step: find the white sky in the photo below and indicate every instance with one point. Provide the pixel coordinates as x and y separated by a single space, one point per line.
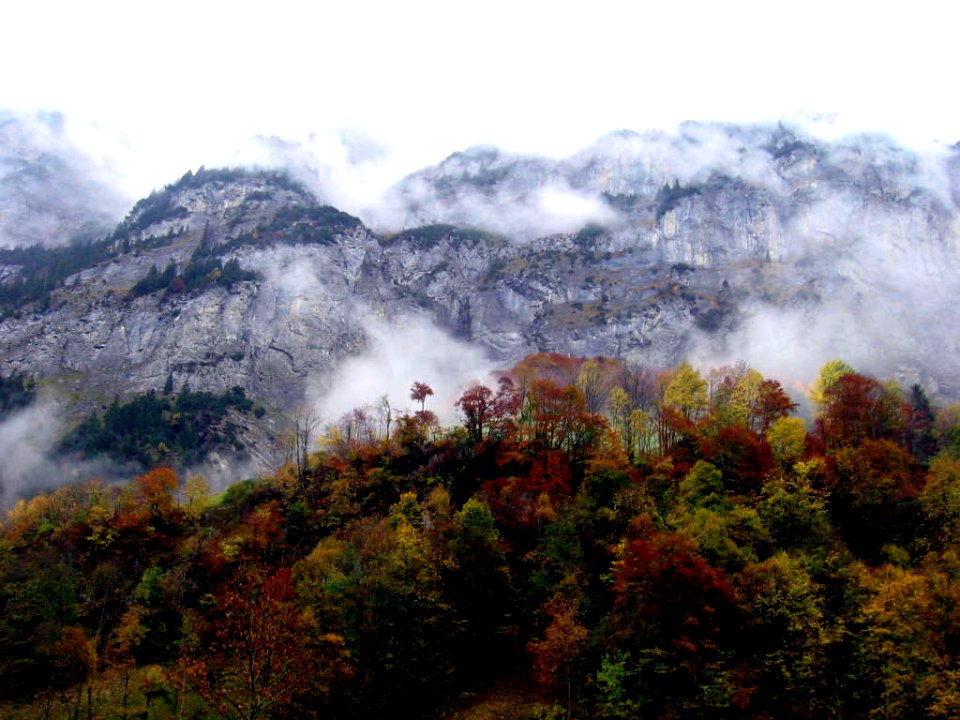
154 89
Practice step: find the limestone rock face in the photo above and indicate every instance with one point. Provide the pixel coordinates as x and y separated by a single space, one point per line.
714 243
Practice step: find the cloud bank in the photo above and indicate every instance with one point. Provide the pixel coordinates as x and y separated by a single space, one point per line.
50 190
401 351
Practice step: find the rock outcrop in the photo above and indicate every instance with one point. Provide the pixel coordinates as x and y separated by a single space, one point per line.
712 242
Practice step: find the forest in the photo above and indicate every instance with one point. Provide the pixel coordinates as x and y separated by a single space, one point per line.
179 429
616 542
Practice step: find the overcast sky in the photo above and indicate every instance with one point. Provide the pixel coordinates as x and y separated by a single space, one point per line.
154 89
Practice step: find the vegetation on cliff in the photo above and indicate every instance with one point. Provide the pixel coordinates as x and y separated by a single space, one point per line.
152 429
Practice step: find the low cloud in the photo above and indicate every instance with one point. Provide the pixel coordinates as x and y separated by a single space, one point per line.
359 175
401 351
885 277
347 169
689 155
29 445
51 191
551 208
869 228
27 440
287 270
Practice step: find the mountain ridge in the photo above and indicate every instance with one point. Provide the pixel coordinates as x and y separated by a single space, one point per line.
813 251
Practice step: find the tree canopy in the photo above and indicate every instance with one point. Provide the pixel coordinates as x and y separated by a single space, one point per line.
618 542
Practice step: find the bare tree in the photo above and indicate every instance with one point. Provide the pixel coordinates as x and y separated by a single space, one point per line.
305 422
386 415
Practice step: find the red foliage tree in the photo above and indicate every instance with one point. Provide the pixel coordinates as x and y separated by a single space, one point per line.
265 652
555 417
681 614
555 657
156 490
870 502
486 413
857 407
476 404
419 392
532 496
770 404
558 368
744 458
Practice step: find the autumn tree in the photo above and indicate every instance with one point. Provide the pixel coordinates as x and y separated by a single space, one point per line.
72 658
770 404
794 639
907 627
686 392
856 407
872 502
351 432
830 372
556 367
196 492
946 428
633 425
732 392
555 656
595 381
794 509
157 490
419 392
939 500
642 386
264 654
620 415
379 585
787 437
413 431
556 418
505 409
476 406
743 456
305 423
529 499
677 618
727 535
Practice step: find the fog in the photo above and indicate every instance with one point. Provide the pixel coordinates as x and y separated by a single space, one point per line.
50 190
32 463
869 228
26 439
29 441
401 351
876 241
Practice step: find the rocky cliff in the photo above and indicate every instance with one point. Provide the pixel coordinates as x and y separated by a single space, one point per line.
715 243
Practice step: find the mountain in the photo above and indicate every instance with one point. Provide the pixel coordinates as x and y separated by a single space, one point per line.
777 239
714 243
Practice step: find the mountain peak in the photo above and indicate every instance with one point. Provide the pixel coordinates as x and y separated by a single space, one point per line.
229 198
